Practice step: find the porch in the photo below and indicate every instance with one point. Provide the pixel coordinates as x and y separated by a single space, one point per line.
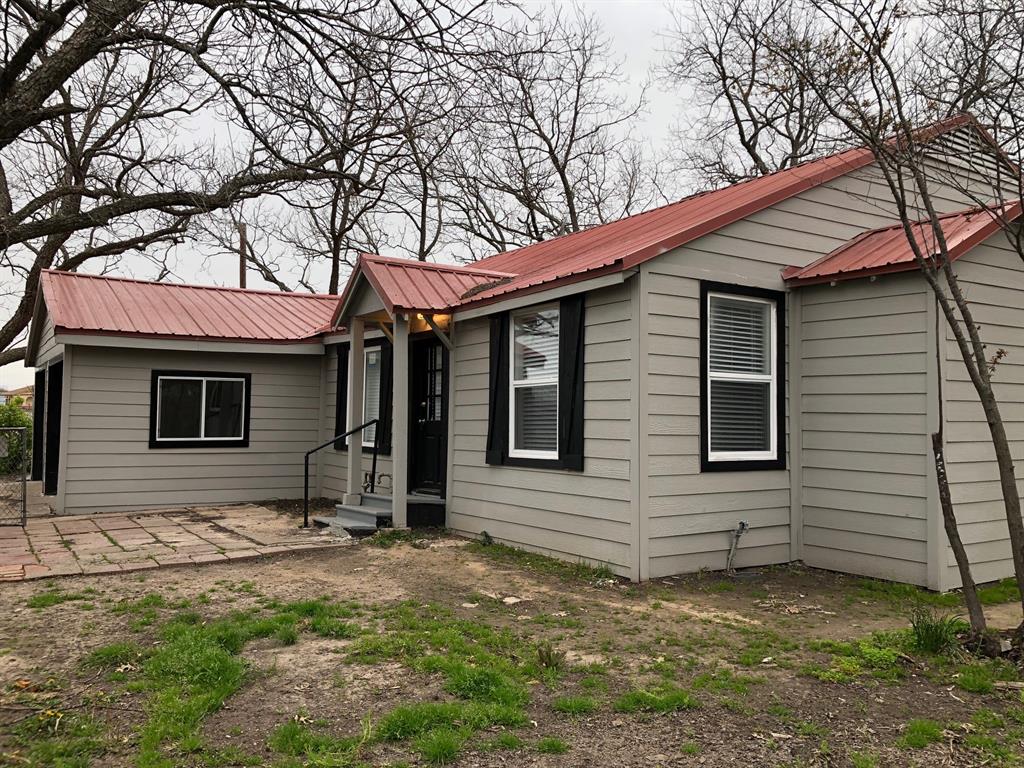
394 331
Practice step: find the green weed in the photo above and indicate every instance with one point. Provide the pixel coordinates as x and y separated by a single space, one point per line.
934 632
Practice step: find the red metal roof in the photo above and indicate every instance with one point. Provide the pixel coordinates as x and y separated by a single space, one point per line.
887 250
421 286
90 304
631 241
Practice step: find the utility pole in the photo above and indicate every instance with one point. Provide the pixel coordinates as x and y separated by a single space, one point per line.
242 245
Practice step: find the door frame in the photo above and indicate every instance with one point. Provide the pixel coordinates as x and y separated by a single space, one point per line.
414 341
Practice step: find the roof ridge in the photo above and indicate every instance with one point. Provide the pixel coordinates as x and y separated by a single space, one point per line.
417 264
218 288
929 132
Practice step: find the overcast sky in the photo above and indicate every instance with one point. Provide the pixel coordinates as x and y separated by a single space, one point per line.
635 28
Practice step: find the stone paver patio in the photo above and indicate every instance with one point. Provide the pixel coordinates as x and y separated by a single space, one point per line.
115 543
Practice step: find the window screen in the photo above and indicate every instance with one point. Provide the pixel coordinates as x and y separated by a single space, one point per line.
371 392
534 383
741 377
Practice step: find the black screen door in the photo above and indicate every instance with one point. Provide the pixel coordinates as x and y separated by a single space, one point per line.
428 413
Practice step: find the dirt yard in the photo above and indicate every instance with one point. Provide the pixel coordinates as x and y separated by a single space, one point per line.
442 652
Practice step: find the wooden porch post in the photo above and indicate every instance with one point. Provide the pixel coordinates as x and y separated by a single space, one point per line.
400 422
354 484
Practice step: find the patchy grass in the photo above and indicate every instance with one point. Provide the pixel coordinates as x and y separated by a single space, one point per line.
114 655
664 698
295 739
981 676
530 561
53 597
880 655
574 705
52 738
918 734
550 745
440 746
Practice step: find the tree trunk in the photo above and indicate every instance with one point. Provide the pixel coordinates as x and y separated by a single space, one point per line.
974 610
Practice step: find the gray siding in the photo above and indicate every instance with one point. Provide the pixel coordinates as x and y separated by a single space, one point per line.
690 515
864 437
49 349
992 277
568 514
334 464
110 466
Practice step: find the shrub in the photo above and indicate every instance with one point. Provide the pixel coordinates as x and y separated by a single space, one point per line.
16 448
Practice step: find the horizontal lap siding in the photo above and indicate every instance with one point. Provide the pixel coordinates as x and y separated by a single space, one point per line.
111 467
691 514
864 448
48 346
334 464
992 278
568 514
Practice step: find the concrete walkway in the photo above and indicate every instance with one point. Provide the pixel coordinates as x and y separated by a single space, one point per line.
115 543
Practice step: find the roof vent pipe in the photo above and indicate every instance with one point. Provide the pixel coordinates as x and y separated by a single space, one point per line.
742 527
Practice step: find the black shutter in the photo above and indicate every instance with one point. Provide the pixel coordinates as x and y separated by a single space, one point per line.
38 420
341 398
55 391
570 382
497 402
384 426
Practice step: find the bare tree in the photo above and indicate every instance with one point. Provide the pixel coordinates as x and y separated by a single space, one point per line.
882 106
747 112
548 151
99 102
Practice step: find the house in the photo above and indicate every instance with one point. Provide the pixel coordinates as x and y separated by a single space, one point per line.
24 394
758 366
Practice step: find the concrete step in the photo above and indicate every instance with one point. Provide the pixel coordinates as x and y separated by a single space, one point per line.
360 516
377 501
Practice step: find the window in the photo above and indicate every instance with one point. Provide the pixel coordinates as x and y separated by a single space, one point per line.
190 409
533 414
373 366
742 399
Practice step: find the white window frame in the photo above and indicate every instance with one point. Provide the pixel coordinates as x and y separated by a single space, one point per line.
202 410
366 353
514 384
771 378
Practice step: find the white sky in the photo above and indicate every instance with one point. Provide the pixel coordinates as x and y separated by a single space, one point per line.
635 28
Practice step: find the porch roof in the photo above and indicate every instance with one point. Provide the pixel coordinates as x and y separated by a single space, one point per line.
887 249
417 286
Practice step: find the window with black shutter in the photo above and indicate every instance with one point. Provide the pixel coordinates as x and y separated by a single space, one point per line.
535 411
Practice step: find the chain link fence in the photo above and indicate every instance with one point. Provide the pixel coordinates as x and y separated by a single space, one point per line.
13 474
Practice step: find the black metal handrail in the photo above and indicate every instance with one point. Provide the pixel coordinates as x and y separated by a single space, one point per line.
332 441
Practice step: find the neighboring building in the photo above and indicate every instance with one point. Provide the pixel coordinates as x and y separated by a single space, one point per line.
26 395
765 353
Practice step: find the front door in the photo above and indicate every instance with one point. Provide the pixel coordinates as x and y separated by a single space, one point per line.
428 412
